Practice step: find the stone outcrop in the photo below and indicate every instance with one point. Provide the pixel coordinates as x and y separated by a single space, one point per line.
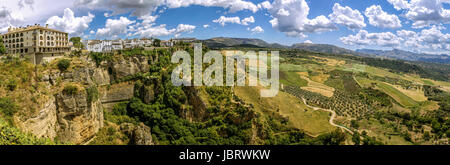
115 93
72 118
139 134
198 112
78 119
121 67
44 123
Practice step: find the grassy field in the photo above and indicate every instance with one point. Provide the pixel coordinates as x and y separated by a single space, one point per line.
397 95
311 121
415 94
389 89
292 68
318 87
292 79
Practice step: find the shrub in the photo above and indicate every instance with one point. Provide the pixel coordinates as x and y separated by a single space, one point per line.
63 65
70 90
8 108
92 94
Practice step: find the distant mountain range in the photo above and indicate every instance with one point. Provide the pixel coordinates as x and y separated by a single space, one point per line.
221 42
408 56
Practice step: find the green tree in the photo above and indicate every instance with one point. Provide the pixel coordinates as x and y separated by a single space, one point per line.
77 42
63 65
2 47
157 42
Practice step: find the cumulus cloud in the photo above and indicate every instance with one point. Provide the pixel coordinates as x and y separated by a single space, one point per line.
222 20
379 18
296 23
265 5
423 13
399 4
232 5
8 19
145 7
432 38
69 23
385 39
115 27
206 26
248 20
161 30
257 29
352 19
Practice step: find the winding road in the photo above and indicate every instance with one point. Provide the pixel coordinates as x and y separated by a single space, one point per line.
333 116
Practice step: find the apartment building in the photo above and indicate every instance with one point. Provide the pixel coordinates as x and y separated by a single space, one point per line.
36 43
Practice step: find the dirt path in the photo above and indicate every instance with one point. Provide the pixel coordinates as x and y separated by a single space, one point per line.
333 116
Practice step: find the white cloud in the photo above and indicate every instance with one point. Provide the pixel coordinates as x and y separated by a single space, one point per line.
308 42
69 23
24 3
8 19
352 19
248 20
399 4
297 23
265 5
148 19
115 27
423 13
206 26
146 7
224 20
283 12
232 5
379 18
432 39
161 30
385 39
257 29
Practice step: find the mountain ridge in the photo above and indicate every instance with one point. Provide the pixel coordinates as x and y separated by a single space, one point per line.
221 42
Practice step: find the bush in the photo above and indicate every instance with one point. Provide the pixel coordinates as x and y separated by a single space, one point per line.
12 136
70 90
8 108
63 65
92 94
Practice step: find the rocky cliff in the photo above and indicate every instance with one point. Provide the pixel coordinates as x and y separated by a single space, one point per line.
76 118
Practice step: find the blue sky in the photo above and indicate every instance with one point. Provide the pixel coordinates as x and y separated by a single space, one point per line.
415 25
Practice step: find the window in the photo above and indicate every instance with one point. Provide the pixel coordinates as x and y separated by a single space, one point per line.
41 44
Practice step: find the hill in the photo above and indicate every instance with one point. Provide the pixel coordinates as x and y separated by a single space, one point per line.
325 48
408 56
220 42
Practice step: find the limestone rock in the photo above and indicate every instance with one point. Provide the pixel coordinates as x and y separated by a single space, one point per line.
78 119
140 134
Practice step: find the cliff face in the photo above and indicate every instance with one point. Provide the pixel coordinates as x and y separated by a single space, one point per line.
77 118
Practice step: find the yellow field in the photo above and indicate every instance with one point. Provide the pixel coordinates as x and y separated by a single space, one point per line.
331 62
300 116
415 94
316 87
